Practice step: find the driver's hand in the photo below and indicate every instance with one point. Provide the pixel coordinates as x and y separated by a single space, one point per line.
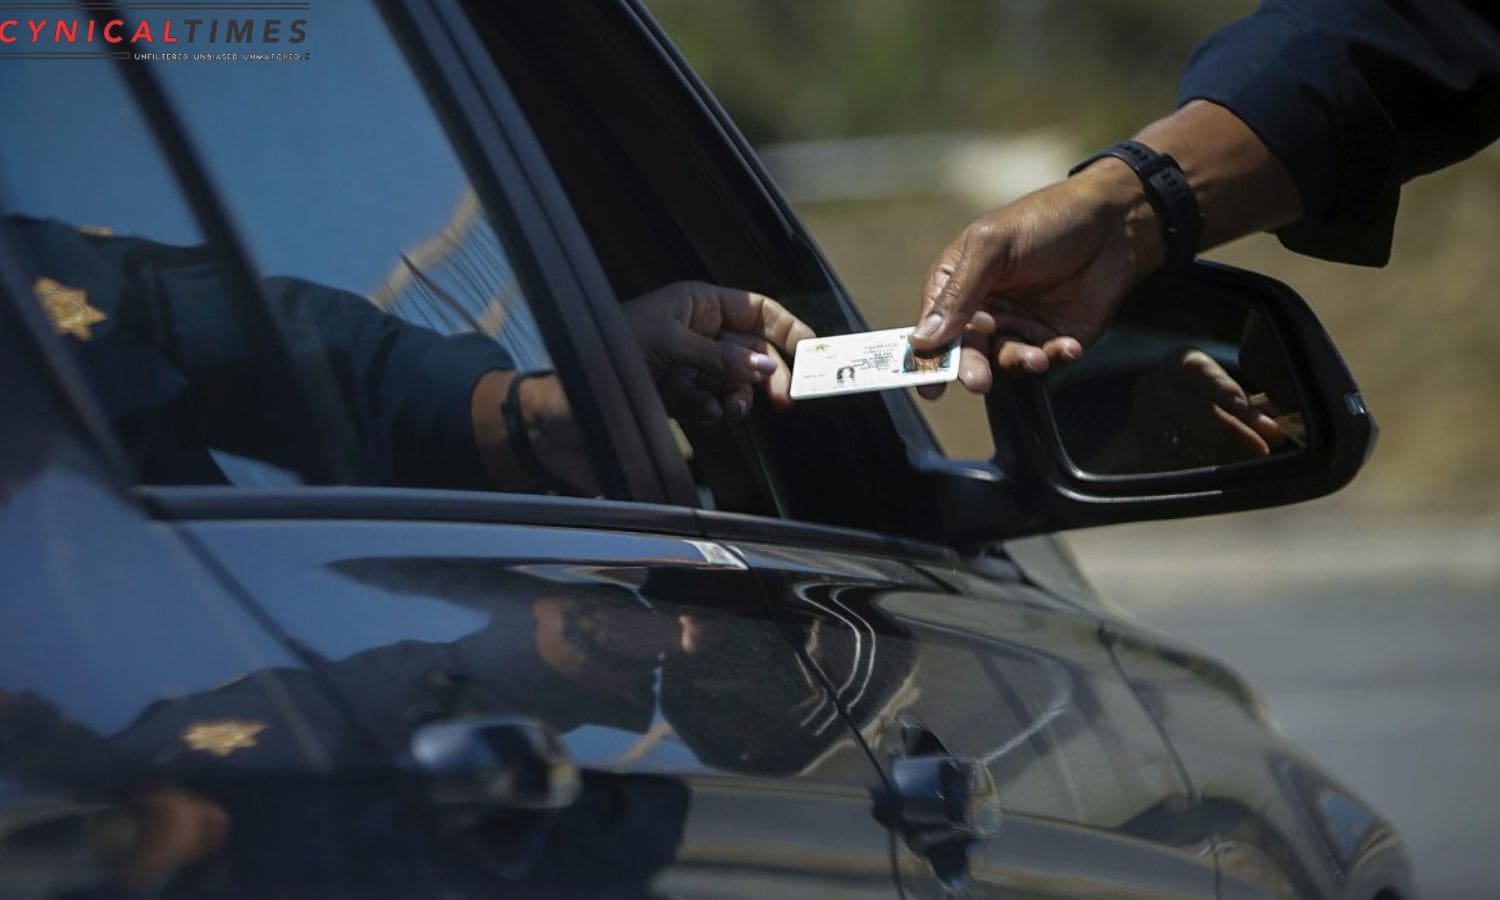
708 346
177 828
1189 412
556 442
551 456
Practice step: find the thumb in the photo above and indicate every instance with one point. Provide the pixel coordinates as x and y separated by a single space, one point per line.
957 286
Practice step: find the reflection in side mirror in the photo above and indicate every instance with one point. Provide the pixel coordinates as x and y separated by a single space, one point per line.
1174 386
1215 390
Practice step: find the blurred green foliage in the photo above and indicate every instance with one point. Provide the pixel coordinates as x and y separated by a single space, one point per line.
799 69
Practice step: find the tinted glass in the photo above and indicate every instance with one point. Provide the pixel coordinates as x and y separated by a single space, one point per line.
384 322
98 211
337 171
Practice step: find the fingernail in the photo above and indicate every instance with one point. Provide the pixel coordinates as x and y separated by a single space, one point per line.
928 326
762 363
738 408
1240 407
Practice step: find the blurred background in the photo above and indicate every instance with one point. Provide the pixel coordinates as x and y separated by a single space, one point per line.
1367 618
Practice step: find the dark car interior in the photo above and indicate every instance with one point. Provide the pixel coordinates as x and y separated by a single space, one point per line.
627 145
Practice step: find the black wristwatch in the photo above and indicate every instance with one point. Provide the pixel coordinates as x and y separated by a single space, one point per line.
1168 193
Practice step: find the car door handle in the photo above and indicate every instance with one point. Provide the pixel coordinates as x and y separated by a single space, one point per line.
939 798
495 762
941 805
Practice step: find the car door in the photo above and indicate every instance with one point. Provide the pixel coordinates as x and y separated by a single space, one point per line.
645 650
155 734
649 654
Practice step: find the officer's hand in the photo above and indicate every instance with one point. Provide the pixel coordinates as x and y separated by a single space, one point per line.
707 346
1050 269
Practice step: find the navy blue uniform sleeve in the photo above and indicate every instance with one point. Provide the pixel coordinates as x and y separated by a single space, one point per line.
408 388
181 367
1356 97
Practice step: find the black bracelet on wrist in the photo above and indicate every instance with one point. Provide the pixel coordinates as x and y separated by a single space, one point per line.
1167 191
519 436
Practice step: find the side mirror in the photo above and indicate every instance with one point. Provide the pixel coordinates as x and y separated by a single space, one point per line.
1213 391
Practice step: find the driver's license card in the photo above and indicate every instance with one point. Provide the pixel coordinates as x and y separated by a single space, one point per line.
870 361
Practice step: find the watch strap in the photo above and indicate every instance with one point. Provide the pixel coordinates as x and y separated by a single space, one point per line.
1168 192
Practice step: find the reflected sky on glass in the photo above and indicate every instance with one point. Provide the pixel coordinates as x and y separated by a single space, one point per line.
332 166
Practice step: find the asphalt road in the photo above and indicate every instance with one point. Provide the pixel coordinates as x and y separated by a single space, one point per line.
1376 648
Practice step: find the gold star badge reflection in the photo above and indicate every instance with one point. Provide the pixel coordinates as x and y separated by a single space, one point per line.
222 738
68 308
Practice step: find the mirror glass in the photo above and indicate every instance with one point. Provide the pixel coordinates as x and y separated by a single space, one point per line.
1186 377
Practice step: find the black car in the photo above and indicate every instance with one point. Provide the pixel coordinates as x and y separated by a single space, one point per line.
251 650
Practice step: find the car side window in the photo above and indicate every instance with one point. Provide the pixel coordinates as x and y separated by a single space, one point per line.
386 322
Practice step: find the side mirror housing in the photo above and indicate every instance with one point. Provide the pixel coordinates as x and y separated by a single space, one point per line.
1213 391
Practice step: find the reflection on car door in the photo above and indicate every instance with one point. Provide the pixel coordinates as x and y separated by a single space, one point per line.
713 759
932 658
152 730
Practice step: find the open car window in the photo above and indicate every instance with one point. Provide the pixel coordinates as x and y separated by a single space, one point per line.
664 196
372 340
